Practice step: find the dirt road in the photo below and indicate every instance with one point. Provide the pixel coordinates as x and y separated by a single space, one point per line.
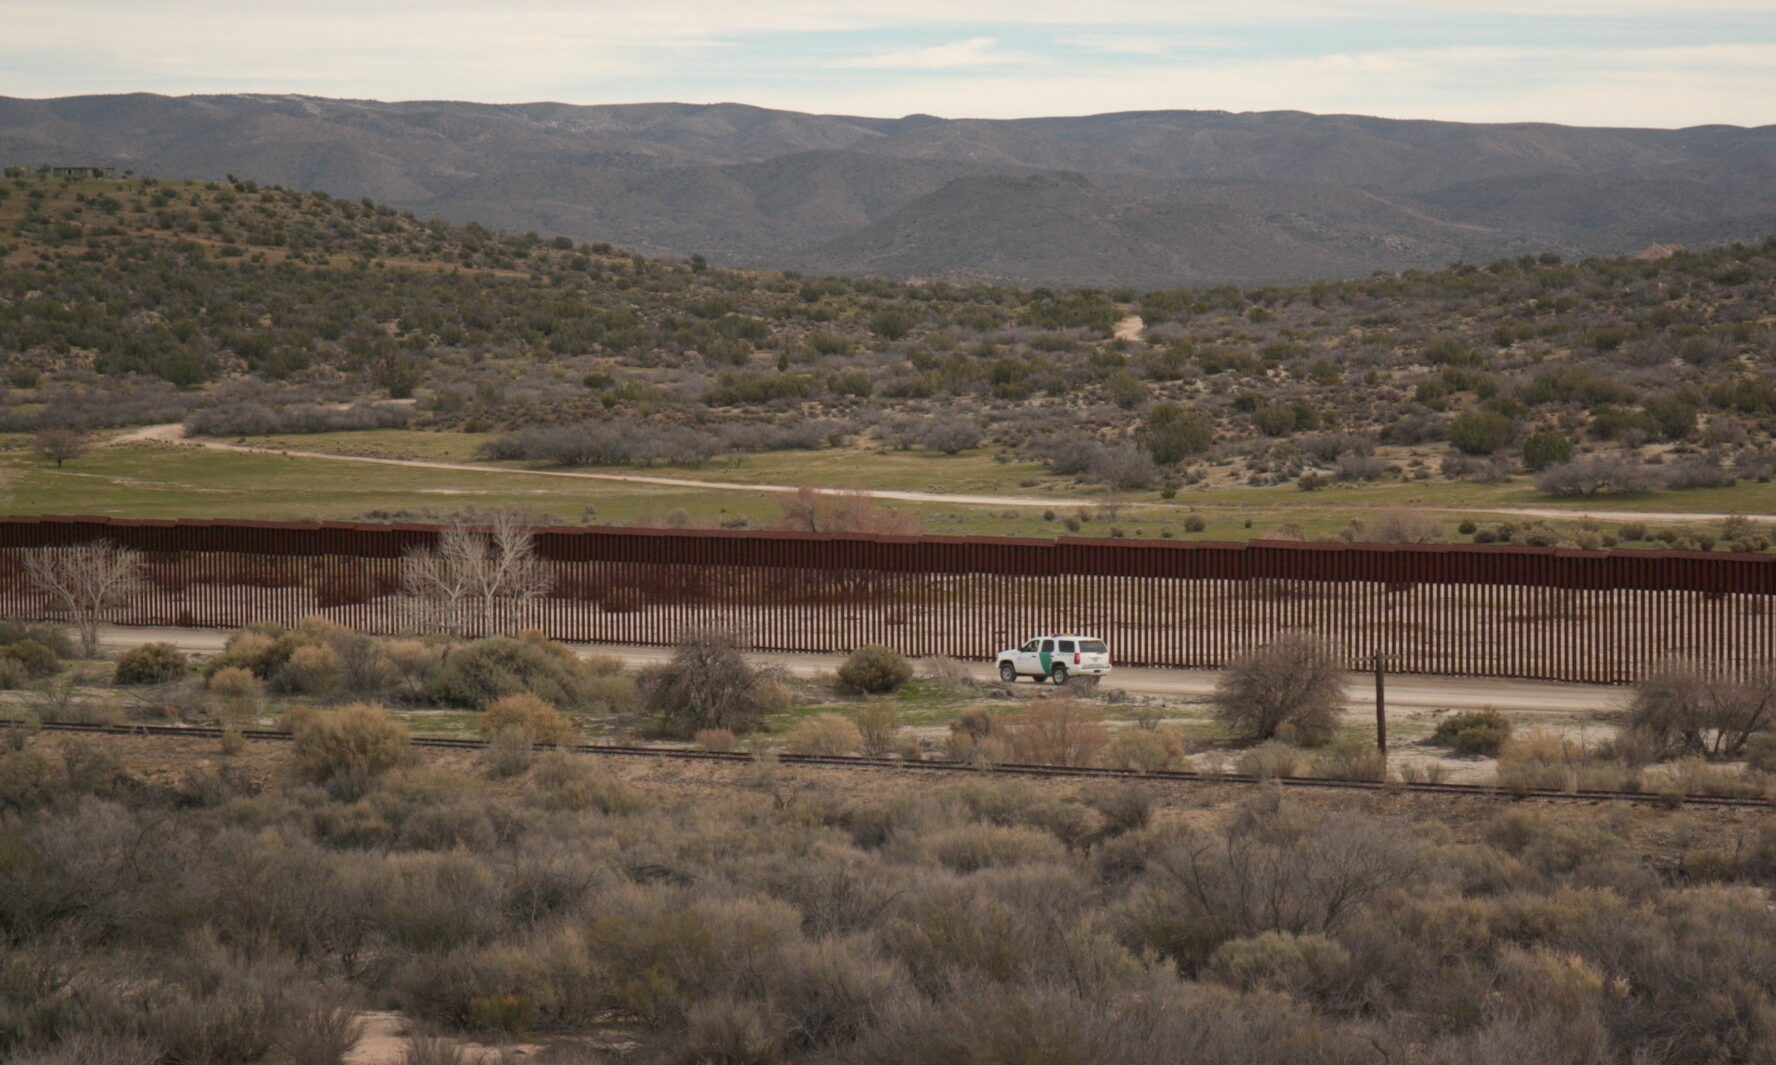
175 435
1405 692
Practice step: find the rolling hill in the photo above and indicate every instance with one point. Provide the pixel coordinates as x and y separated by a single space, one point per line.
1148 198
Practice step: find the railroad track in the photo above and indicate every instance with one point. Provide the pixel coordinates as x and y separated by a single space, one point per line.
1002 768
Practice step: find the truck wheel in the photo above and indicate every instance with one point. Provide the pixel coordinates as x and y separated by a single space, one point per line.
1008 673
1059 675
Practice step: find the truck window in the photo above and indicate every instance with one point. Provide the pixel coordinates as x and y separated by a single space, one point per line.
1066 647
1048 647
1031 647
1093 647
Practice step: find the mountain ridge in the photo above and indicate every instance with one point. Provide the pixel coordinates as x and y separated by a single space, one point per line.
1298 196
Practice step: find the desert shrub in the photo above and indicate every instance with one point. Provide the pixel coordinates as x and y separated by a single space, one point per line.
1538 758
561 781
720 740
1058 731
151 663
364 668
1270 869
1125 807
30 660
1684 709
708 684
235 682
1546 448
484 671
878 725
1144 750
1271 760
1473 732
260 653
509 753
413 661
350 747
1279 961
825 734
1596 475
434 1050
530 715
971 848
1686 474
1350 758
1479 432
312 669
318 1033
1295 681
874 670
1172 433
50 636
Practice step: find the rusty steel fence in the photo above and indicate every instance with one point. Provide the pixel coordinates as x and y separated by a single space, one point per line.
1468 610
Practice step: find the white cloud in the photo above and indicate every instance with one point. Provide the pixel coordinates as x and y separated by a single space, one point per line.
1106 55
973 52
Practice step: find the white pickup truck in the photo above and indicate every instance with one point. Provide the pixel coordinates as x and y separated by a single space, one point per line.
1057 658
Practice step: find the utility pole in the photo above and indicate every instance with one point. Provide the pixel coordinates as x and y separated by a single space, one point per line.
1381 716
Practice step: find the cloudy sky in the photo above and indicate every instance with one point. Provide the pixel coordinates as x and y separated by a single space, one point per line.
1593 62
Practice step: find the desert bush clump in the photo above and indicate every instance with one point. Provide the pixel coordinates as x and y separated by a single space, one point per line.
1059 731
29 660
1473 732
1684 709
1279 961
879 725
479 673
235 683
348 748
874 670
534 717
719 740
1144 750
709 684
826 734
1295 681
151 663
311 669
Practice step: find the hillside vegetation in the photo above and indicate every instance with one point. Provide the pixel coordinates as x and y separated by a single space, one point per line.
247 310
1146 198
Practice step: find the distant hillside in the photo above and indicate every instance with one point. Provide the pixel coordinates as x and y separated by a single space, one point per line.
1151 199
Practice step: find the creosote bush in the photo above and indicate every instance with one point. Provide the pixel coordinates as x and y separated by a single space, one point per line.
1295 681
534 717
709 685
151 663
874 670
1473 732
479 673
348 748
826 734
880 921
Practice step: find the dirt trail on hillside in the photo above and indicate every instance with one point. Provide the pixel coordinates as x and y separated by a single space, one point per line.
174 435
1129 328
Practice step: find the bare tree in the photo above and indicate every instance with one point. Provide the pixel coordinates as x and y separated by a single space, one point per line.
84 581
1688 710
1295 681
809 510
58 445
476 568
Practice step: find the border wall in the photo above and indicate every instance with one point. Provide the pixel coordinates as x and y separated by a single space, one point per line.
1541 613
